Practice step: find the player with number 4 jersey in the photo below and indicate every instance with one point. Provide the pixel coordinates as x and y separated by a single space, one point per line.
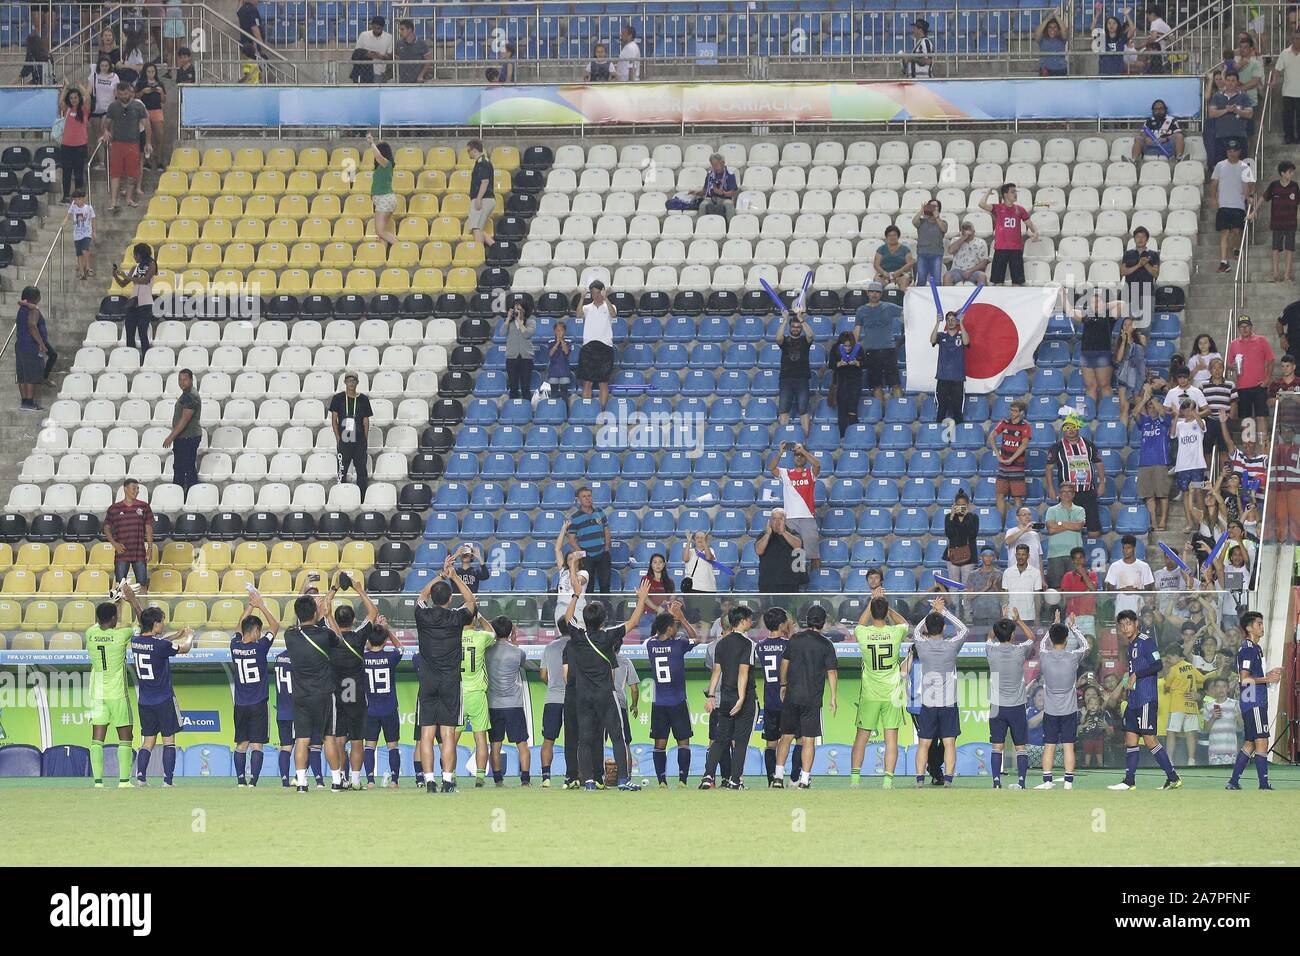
671 638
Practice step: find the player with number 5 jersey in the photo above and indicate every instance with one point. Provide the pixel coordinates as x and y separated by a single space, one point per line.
671 638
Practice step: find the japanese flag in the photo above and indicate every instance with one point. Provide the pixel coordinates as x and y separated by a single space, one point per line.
1005 326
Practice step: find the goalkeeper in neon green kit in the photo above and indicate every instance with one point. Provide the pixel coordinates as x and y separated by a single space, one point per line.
107 644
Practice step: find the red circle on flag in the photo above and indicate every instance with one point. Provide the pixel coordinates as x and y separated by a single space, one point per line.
994 340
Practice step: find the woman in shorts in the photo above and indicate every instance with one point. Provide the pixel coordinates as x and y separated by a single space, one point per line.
102 90
382 196
140 312
1097 320
153 95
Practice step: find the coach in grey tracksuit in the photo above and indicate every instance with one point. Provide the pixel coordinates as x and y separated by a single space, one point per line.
1059 656
1007 699
936 655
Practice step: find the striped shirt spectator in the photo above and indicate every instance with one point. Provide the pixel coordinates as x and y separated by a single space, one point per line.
129 523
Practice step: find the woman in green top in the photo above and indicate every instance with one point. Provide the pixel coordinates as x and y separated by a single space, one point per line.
381 189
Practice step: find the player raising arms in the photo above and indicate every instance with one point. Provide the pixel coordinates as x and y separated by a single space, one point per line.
809 661
506 663
474 642
1254 701
283 668
439 629
248 651
768 653
731 694
555 711
380 659
160 715
671 638
107 645
1007 694
348 660
1058 657
880 633
1144 665
308 645
936 655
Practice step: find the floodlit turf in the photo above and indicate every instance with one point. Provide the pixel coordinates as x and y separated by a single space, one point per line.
210 822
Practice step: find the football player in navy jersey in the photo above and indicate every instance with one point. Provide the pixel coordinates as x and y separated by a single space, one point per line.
283 668
248 651
380 659
1254 701
160 715
672 637
1144 665
770 650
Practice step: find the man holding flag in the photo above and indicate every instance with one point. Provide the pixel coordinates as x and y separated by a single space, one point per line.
1161 135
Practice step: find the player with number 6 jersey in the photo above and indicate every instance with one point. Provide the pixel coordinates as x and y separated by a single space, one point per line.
671 638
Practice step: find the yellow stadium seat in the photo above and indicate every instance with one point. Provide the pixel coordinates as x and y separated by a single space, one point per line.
313 158
260 206
57 581
250 158
302 182
301 578
190 613
341 155
166 581
293 207
458 182
357 556
436 255
505 157
101 556
41 615
275 581
427 280
445 228
151 231
77 615
178 555
327 206
361 281
165 208
501 182
236 581
294 282
370 254
250 230
395 280
335 182
415 228
404 255
6 556
239 255
214 556
316 228
228 278
403 182
272 255
441 157
469 255
238 182
463 159
66 641
349 229
280 157
359 197
327 282
455 205
225 613
69 555
305 254
432 182
250 556
263 281
172 255
184 231
338 255
201 581
212 640
27 642
408 157
217 158
93 581
33 557
194 207
206 255
205 182
218 230
463 281
322 555
193 279
174 183
11 613
282 229
285 555
186 159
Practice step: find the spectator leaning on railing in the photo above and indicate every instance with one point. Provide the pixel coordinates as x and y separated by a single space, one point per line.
377 43
414 59
598 70
1053 41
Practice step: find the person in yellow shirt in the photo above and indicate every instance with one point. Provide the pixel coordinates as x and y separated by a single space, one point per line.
1182 684
249 70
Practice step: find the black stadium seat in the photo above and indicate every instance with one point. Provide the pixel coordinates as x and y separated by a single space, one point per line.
493 277
522 204
297 526
755 302
437 438
394 555
385 305
427 465
350 306
526 298
405 525
317 306
333 526
226 526
528 181
283 306
6 256
8 182
723 302
455 384
823 302
16 158
45 528
537 157
33 181
447 411
162 526
450 305
654 303
625 302
82 527
853 300
416 496
44 156
261 526
554 303
24 206
504 252
418 305
474 330
369 526
113 307
190 527
384 581
512 228
465 358
13 527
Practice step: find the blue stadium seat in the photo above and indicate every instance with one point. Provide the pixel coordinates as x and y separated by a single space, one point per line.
867 552
22 760
726 411
918 492
735 492
846 492
931 435
744 463
1132 519
860 437
853 463
876 521
889 464
900 580
480 412
913 521
498 465
895 436
1014 385
881 491
838 521
487 495
1110 435
826 581
901 409
473 439
516 411
441 526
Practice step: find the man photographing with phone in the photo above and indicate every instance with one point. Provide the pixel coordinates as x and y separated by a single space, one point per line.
348 660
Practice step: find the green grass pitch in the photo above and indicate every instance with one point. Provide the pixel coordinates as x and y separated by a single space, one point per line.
211 822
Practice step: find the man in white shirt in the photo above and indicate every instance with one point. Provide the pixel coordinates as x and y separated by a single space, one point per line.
379 44
628 68
1025 533
1129 575
1184 389
1288 65
1023 580
596 361
917 64
1157 29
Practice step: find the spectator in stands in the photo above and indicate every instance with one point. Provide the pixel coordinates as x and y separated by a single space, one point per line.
414 59
799 497
37 69
1097 318
918 64
470 567
382 198
845 362
961 527
139 313
1129 575
1025 532
1154 483
558 373
153 94
660 580
983 580
1078 579
1288 65
1183 388
1008 242
250 68
718 197
1130 364
1074 458
135 53
250 20
970 258
506 69
950 371
122 131
782 561
1283 196
1232 113
628 68
1140 268
596 360
1022 581
82 214
1204 352
1221 404
31 349
350 415
598 70
1251 357
377 43
794 338
520 326
894 261
873 325
1053 42
1250 70
589 533
930 230
73 148
1287 382
700 563
185 70
1009 440
1116 38
1231 186
482 193
102 94
128 528
186 433
1157 30
1189 465
1065 521
1160 135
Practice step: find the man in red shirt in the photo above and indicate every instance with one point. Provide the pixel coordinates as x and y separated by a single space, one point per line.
1251 358
1009 441
1079 580
799 497
128 527
1008 242
1285 478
